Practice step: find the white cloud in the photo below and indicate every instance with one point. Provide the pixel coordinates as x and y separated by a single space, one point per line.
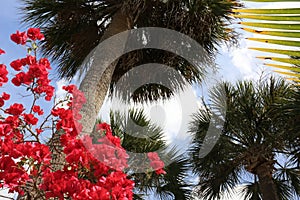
60 93
238 63
243 61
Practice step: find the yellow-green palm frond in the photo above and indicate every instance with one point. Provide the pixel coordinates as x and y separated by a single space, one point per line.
283 24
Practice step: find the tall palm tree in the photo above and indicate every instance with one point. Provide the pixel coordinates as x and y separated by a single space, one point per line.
282 23
74 27
258 146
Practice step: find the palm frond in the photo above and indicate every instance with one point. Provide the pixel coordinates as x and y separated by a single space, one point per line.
282 23
251 191
289 180
140 136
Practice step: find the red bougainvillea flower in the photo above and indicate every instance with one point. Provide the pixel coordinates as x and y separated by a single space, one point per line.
153 156
45 62
156 163
105 127
19 37
30 60
160 171
1 102
69 88
15 109
4 129
38 131
16 65
37 109
3 74
5 96
2 51
13 121
2 99
30 119
35 34
22 78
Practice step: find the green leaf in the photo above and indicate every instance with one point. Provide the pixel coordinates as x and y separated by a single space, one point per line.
285 21
285 60
295 69
29 50
278 51
291 26
275 33
270 17
269 11
288 73
280 42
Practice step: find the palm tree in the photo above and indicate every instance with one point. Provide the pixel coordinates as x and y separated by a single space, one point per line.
74 27
282 23
258 146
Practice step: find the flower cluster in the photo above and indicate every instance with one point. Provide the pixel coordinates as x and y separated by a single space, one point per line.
32 34
93 167
36 76
90 171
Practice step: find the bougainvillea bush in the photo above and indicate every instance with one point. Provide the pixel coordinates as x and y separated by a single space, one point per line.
90 170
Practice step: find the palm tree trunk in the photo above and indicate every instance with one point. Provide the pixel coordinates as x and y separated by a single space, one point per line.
95 90
266 183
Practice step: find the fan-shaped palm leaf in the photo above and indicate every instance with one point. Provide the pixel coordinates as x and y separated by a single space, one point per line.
283 23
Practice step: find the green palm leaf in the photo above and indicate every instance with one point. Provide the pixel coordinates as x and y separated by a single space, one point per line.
285 60
275 33
269 11
278 51
295 69
281 23
273 25
279 42
270 17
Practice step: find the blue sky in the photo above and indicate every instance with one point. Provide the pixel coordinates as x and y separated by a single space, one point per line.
235 63
9 23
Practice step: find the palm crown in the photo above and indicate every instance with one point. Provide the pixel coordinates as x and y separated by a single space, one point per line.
258 144
73 28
